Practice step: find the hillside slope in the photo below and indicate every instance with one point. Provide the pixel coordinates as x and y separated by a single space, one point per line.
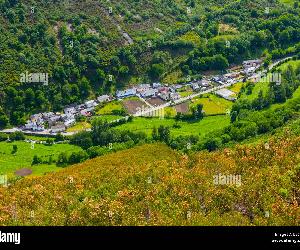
154 185
92 47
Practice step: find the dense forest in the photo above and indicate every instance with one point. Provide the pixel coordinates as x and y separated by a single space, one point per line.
95 47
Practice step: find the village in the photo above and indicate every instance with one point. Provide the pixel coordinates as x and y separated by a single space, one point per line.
59 122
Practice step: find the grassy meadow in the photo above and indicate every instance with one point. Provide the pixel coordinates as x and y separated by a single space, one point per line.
10 162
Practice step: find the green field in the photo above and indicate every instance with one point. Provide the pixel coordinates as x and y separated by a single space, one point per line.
294 64
9 162
264 86
201 128
79 126
289 2
109 107
108 118
236 88
170 112
213 105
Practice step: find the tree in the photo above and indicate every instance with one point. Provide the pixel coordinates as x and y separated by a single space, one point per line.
155 136
156 70
17 136
59 137
15 149
233 116
212 144
3 121
84 88
3 137
29 99
220 62
36 160
198 112
62 159
164 134
82 139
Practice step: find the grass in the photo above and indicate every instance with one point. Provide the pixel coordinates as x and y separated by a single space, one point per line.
109 107
170 112
108 118
192 37
186 93
236 88
79 126
293 63
207 125
213 105
263 85
288 2
9 162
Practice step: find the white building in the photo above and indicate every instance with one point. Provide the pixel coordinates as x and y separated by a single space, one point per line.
149 93
174 96
226 94
103 98
252 63
69 123
195 86
70 111
90 104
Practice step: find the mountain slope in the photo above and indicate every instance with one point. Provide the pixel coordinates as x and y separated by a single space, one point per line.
153 185
81 44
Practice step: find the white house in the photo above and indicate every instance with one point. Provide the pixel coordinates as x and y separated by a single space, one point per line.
69 123
252 63
156 85
103 98
149 93
195 86
90 104
70 110
226 94
204 83
174 96
165 96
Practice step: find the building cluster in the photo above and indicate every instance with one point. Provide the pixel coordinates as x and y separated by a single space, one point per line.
59 122
250 66
164 91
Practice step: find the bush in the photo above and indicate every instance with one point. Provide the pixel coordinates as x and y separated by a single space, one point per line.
59 137
77 157
36 160
17 136
3 137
